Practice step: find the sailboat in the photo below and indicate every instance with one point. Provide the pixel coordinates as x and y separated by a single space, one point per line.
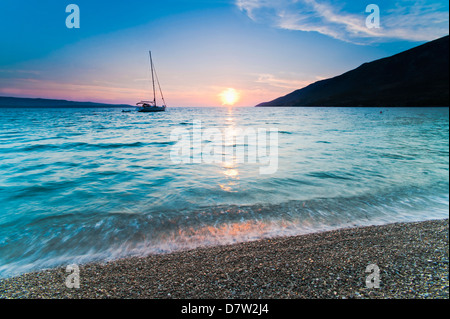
151 106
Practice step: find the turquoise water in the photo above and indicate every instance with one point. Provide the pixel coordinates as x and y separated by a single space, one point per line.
80 185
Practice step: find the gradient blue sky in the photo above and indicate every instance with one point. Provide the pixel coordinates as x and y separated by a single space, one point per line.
261 48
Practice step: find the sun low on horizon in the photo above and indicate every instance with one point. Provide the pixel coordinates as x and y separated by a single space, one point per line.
229 96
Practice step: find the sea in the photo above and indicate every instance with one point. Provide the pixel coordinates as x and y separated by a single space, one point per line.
82 185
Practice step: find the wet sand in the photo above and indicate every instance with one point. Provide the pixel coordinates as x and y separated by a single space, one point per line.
412 259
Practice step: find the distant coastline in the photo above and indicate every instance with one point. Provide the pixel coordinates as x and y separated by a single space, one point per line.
19 102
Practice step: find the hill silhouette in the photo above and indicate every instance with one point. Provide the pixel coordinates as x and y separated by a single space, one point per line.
416 77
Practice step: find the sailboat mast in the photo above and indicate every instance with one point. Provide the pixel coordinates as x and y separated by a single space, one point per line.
153 80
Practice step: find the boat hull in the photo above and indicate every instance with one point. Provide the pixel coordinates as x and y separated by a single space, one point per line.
151 109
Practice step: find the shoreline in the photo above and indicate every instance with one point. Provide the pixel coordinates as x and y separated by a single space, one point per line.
412 260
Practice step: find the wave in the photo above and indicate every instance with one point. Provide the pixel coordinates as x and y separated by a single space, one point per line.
55 240
83 146
332 175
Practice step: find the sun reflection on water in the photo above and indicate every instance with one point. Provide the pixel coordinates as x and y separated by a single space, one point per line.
228 166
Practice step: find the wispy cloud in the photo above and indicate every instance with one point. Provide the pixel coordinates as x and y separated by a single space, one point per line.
284 83
413 20
18 72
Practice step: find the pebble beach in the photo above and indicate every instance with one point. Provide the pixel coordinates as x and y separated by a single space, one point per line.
412 259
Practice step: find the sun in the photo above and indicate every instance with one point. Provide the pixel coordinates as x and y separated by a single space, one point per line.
229 96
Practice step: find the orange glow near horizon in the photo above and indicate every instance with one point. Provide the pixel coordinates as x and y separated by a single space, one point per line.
229 96
116 93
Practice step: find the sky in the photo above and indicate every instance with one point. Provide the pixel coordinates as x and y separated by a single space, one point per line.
206 52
